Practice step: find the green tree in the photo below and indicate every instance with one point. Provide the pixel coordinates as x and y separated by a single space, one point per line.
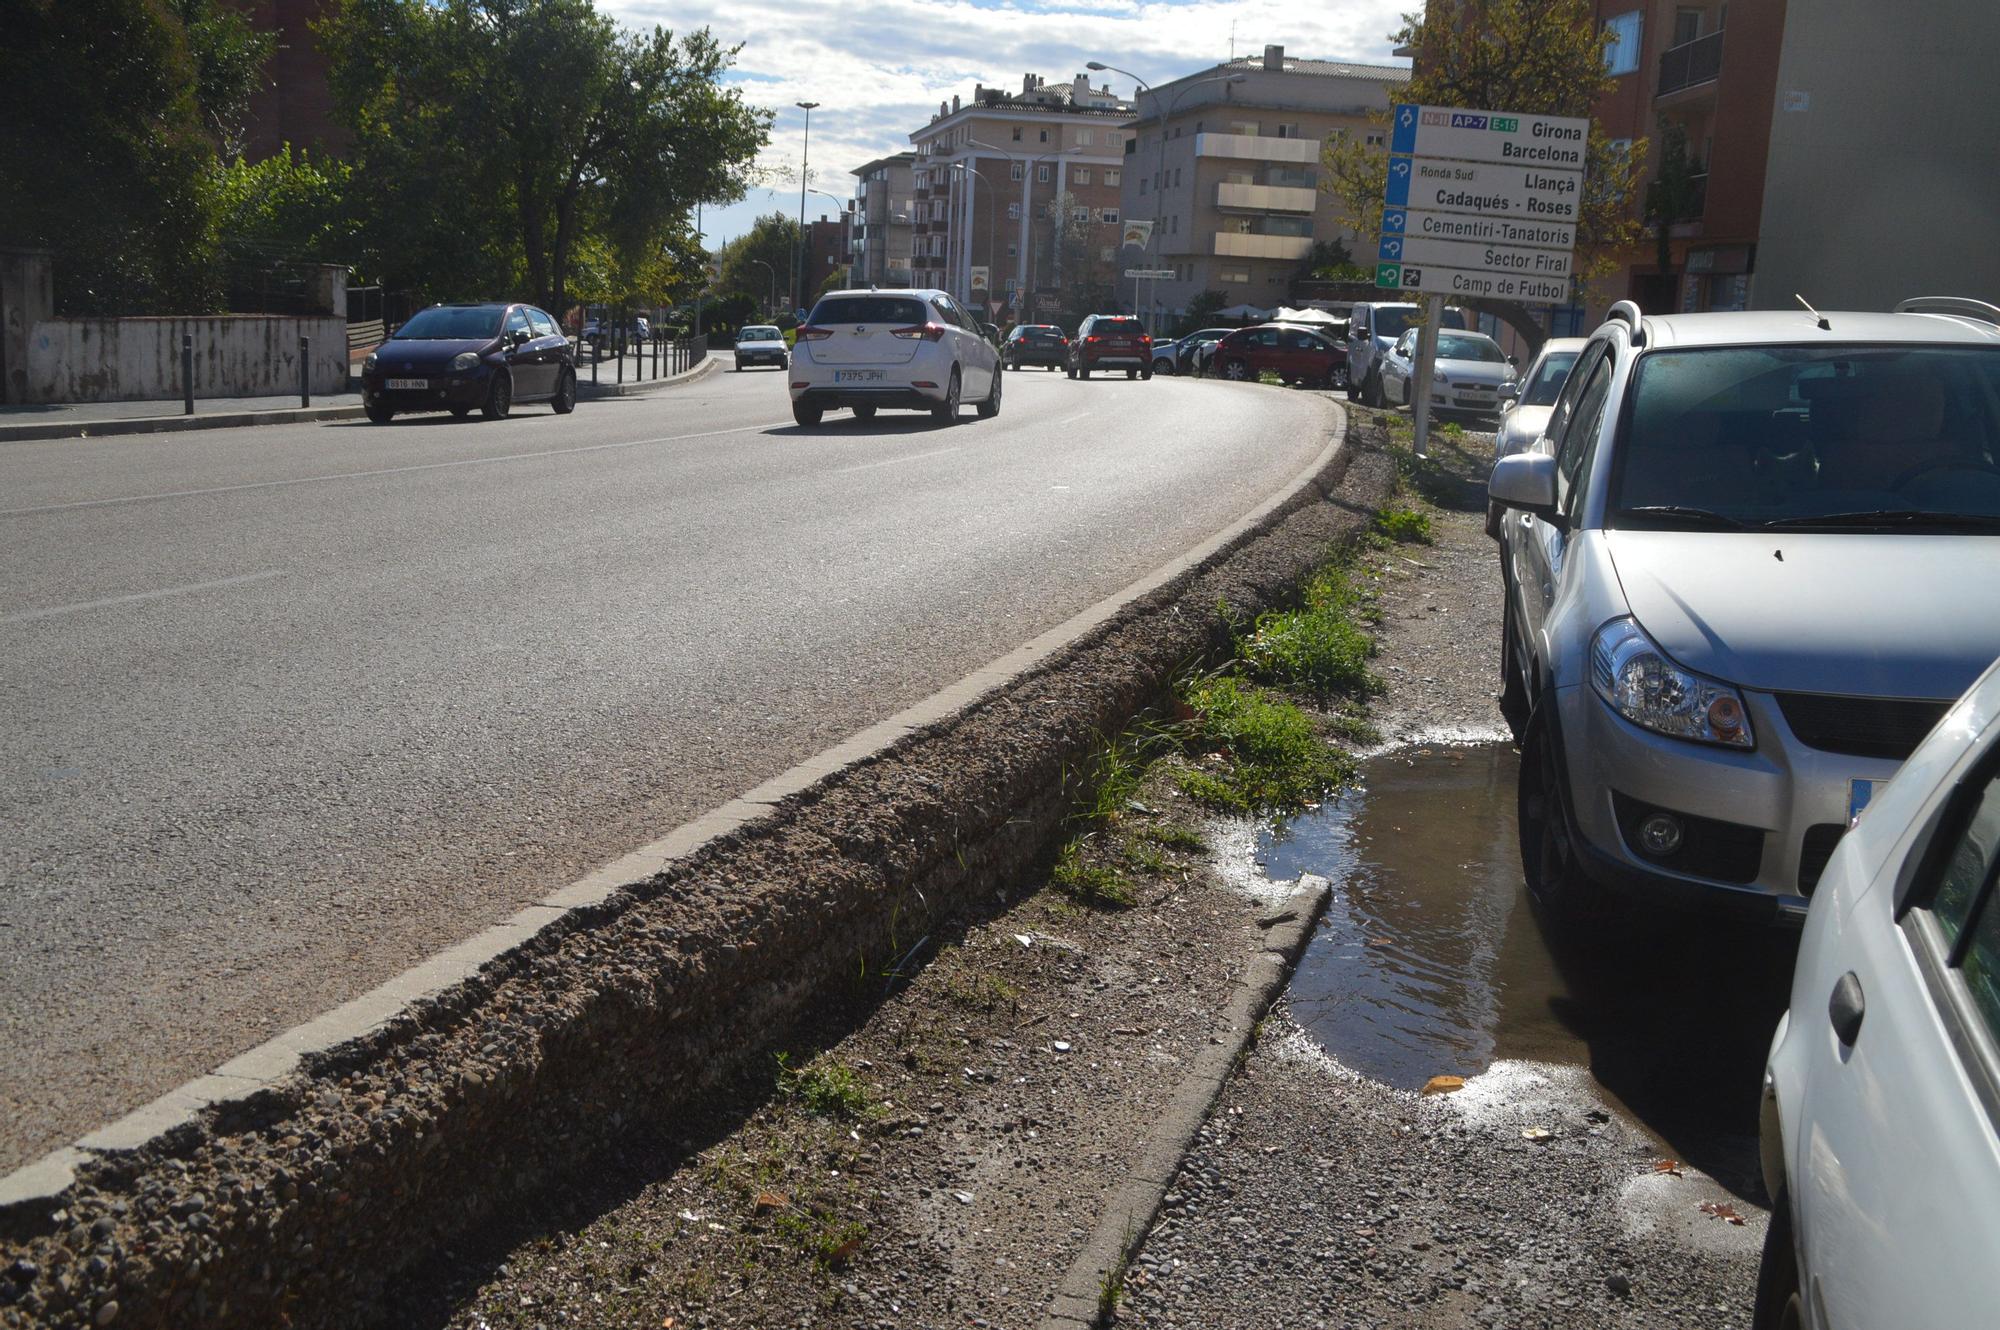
1539 57
772 240
1201 311
1672 196
105 159
229 57
511 136
289 204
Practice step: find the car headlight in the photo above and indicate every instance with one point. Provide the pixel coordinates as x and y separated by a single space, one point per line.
1439 376
1637 681
464 360
368 364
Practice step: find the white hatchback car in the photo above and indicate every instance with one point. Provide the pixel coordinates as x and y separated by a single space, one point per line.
913 349
1467 377
1881 1113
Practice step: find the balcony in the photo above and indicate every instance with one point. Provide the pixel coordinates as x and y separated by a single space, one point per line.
1257 148
1237 245
1264 198
1690 64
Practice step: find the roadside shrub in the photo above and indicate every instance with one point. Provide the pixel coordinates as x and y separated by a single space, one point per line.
1411 526
1091 884
823 1089
1316 648
1276 757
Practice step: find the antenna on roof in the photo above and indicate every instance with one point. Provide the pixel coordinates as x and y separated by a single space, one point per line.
1232 39
1818 317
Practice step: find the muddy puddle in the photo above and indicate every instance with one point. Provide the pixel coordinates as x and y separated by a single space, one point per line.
1431 961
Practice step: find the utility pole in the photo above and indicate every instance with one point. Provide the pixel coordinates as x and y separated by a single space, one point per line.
805 166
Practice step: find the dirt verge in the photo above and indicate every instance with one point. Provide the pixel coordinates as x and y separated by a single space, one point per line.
336 1198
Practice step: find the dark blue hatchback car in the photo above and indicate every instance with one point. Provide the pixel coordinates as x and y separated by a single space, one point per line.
457 357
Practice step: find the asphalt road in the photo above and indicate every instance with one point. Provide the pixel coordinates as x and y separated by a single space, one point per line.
291 708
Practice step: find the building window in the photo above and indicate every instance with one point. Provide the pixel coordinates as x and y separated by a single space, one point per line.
1017 133
1374 139
1083 137
1013 212
1042 174
1107 254
1687 26
1015 170
1113 176
1177 177
1045 136
1108 215
1235 275
1082 175
1079 214
1013 285
1621 56
1249 128
1014 250
1288 131
1142 187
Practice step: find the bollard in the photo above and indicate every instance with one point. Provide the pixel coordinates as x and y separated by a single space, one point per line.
305 371
187 373
656 357
618 349
594 357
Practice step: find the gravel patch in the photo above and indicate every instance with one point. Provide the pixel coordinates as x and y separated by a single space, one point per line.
1317 1197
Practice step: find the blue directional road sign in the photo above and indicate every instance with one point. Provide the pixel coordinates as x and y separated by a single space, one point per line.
1393 221
1403 137
1400 170
1391 249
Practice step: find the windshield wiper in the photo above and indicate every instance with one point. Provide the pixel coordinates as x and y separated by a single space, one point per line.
1893 517
1681 512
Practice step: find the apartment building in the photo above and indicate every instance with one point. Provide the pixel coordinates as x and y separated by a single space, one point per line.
987 172
879 226
1225 163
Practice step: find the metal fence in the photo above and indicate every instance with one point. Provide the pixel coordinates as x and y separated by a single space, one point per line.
637 357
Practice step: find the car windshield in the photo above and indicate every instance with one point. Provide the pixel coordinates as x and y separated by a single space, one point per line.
452 323
1547 385
1813 437
1038 333
760 335
899 310
1390 322
1461 346
1117 328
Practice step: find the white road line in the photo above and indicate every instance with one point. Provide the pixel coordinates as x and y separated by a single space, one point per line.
383 471
24 616
892 461
1071 420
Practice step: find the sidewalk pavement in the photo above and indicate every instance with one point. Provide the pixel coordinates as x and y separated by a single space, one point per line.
76 420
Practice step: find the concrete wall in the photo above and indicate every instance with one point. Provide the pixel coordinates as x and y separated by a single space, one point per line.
1881 183
139 359
27 297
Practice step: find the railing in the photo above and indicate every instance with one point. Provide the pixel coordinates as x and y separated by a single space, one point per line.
1690 63
364 333
620 342
1264 198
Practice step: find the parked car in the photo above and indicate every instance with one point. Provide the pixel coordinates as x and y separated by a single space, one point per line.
1524 407
1882 1090
762 344
457 357
1372 328
991 332
1465 378
1295 355
1195 354
1035 344
1110 341
599 331
1750 565
914 348
1167 355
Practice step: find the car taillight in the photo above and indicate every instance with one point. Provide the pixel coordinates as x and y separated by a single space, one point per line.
808 333
1093 338
1065 341
1145 339
929 332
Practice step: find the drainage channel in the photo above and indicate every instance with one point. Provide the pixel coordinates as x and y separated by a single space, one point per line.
1431 962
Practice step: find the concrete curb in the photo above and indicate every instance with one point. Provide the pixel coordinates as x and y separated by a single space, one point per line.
1133 1204
586 390
96 429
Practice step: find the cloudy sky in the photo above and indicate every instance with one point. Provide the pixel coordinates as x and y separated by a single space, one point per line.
879 68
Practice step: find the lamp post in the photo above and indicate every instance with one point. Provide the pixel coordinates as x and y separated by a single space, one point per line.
845 211
1160 176
1026 270
992 225
768 304
805 161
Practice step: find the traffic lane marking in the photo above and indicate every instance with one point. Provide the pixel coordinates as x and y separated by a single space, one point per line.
892 461
25 616
381 471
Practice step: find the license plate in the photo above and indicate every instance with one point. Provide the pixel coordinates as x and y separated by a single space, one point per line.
409 383
1859 794
858 376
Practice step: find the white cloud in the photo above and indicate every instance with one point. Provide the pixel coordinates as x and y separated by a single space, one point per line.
879 68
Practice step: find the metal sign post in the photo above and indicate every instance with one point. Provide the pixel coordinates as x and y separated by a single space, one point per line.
1427 346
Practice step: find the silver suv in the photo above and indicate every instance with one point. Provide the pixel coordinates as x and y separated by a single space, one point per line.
1748 565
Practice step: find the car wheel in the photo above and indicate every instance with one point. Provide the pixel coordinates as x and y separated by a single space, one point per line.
807 416
1548 852
991 406
565 399
947 410
1779 1304
460 412
1131 374
1083 371
1145 375
381 415
864 412
499 398
1371 392
1161 367
1069 371
1513 690
739 367
1236 371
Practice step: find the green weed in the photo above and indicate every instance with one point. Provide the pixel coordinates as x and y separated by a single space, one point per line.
823 1089
1117 771
1150 860
981 991
1091 884
1411 526
1317 648
1276 757
1176 837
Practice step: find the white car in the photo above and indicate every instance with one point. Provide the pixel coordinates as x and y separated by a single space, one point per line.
761 344
1525 402
911 349
1881 1109
1467 377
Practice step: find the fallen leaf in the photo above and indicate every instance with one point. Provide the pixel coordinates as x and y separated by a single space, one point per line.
1443 1084
844 1252
1668 1166
667 1323
1722 1212
767 1201
1536 1133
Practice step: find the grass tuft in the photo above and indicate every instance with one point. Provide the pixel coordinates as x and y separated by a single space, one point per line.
1319 647
1091 884
823 1089
1411 526
1176 837
1276 756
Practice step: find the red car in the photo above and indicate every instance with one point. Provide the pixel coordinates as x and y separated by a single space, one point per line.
1111 341
1296 355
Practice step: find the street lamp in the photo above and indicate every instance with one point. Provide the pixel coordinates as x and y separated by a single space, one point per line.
1160 175
992 225
805 159
838 203
770 303
1026 271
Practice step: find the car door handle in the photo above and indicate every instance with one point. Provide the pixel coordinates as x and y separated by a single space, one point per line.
1846 1008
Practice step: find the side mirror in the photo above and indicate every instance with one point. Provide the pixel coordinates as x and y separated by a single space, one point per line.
1526 481
1509 391
519 337
1515 361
